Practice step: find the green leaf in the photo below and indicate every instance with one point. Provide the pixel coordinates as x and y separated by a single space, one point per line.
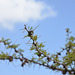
8 47
34 58
72 38
31 28
45 53
28 27
73 44
25 36
41 45
7 39
36 53
32 48
35 37
14 46
20 50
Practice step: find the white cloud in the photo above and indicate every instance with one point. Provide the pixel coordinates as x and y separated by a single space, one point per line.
12 11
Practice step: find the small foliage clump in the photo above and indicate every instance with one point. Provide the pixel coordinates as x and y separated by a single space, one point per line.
66 64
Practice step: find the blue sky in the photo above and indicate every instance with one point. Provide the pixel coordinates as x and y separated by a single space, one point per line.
53 16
